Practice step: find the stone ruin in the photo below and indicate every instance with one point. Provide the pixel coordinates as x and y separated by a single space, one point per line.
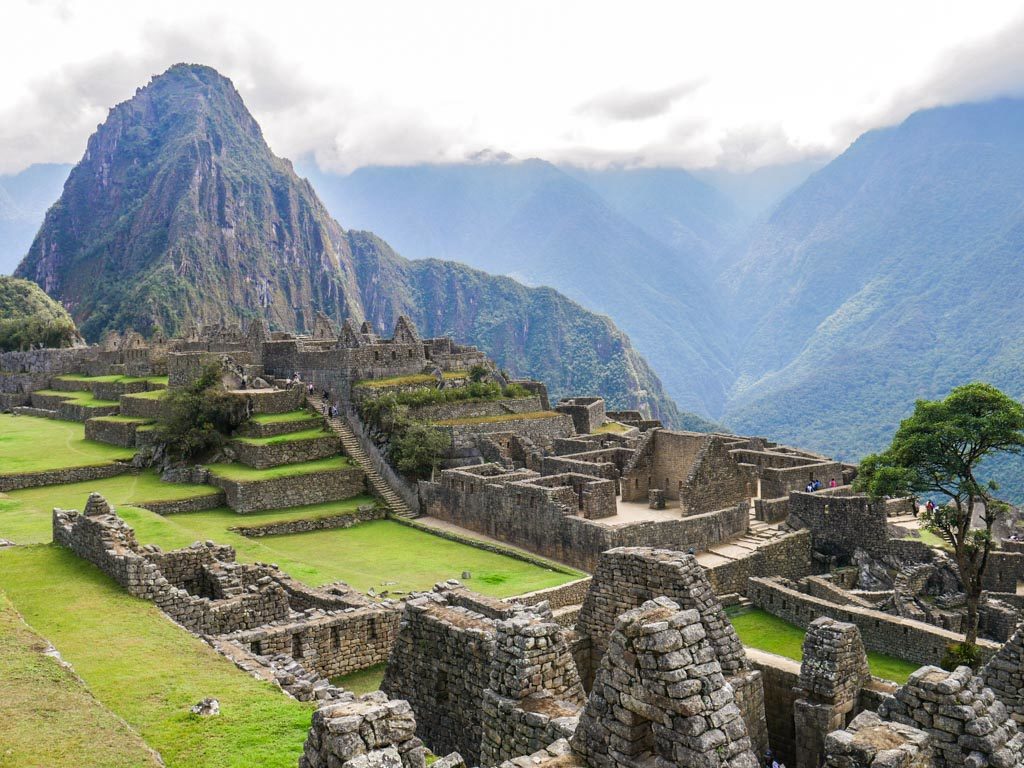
832 673
660 693
1004 674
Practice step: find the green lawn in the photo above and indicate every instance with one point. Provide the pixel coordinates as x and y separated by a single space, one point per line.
25 516
306 434
153 394
408 381
364 681
367 555
282 418
30 444
78 398
148 670
39 696
243 473
612 427
759 629
157 380
496 419
124 419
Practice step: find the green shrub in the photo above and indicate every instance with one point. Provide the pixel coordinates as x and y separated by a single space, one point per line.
416 450
960 655
36 330
478 373
198 418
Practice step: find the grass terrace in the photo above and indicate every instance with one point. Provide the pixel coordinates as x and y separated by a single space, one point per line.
123 419
409 381
282 418
145 669
496 419
78 398
611 427
364 681
39 696
381 554
153 394
307 434
759 629
155 380
31 444
241 473
26 515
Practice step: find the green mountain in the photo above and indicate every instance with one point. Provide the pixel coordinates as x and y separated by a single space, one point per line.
637 246
29 317
893 273
179 212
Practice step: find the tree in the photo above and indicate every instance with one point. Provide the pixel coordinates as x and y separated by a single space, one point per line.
417 449
939 450
196 419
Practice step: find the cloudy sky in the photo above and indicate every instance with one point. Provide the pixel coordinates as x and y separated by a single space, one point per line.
730 84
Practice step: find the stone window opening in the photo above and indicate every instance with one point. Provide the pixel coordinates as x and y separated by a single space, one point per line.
335 638
394 355
296 646
256 647
410 353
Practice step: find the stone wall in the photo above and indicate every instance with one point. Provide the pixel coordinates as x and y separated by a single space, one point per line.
121 433
777 482
870 742
52 362
788 556
840 525
587 413
330 644
881 632
183 506
1004 674
101 537
369 732
561 596
267 455
441 664
628 576
966 724
293 491
716 480
512 507
148 408
275 429
661 693
470 409
542 430
315 524
14 482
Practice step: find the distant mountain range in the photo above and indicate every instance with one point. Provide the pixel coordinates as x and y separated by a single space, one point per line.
179 213
812 303
24 198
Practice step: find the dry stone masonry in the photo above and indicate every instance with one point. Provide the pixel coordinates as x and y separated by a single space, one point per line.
660 692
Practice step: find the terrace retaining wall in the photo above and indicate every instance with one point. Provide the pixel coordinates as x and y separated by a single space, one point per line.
293 491
913 641
15 482
315 524
265 456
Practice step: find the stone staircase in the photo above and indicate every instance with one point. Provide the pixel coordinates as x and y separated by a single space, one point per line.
355 452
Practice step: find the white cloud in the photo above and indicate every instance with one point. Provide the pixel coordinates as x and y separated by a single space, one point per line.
737 84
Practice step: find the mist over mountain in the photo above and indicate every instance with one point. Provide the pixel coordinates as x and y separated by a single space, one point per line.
179 213
24 198
637 246
893 273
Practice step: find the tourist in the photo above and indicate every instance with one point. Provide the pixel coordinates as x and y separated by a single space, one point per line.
930 506
309 389
832 483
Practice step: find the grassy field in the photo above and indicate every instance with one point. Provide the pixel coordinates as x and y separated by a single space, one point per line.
30 444
496 419
153 394
149 671
282 418
612 427
124 419
78 398
157 380
306 434
759 629
25 516
367 555
243 473
38 696
364 681
409 381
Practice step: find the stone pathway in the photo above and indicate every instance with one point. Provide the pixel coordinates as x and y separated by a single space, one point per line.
355 452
